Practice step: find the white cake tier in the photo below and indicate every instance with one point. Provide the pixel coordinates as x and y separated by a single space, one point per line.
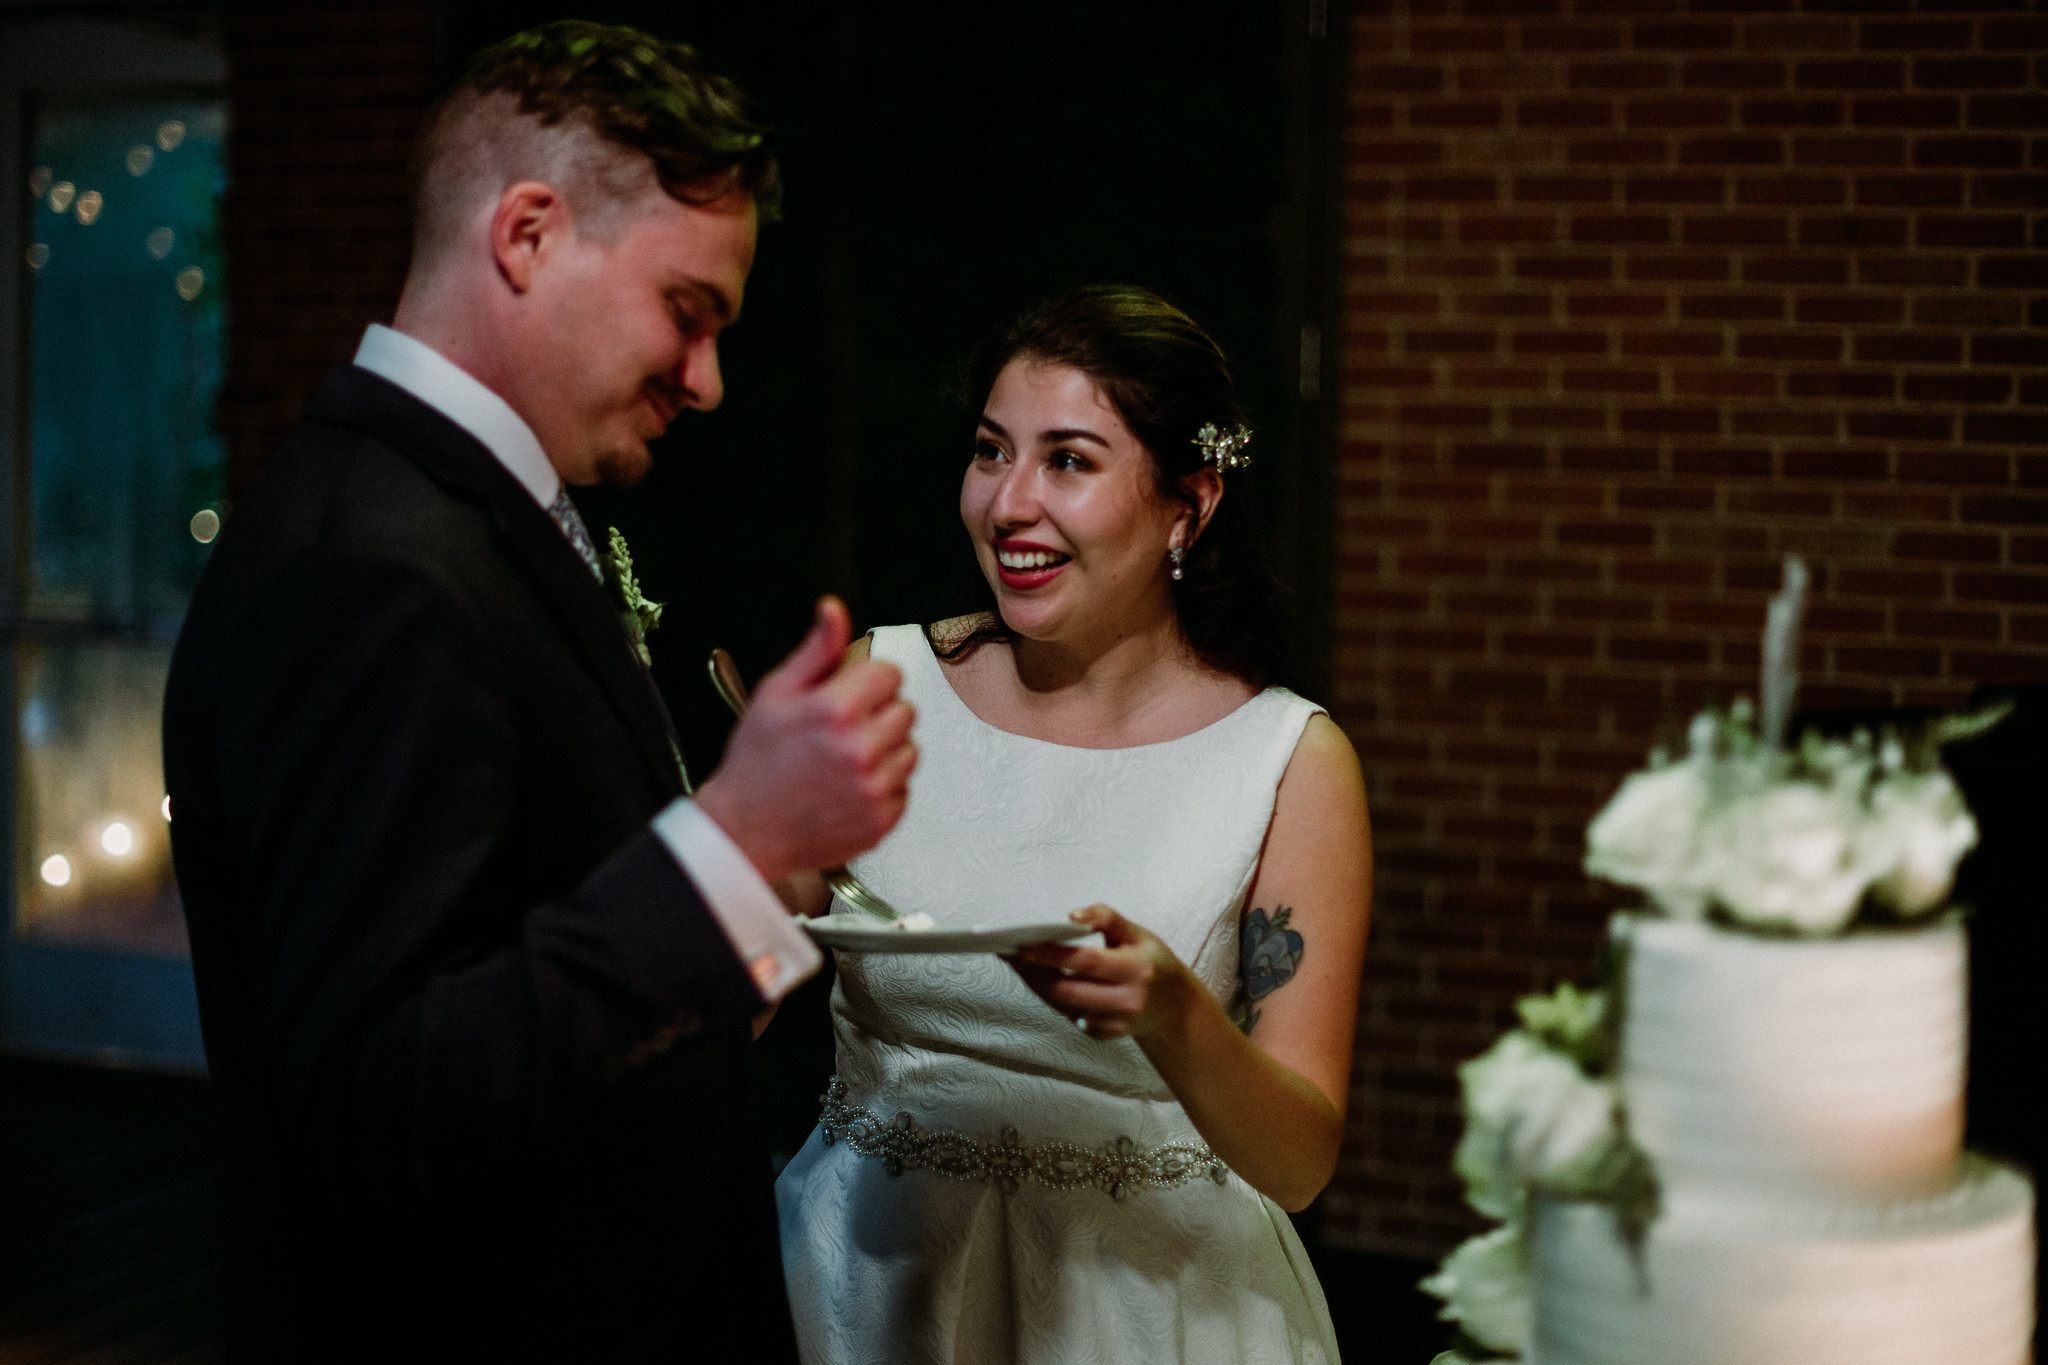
1943 1281
1830 1067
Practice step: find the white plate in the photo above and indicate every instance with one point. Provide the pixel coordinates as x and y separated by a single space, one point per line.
866 934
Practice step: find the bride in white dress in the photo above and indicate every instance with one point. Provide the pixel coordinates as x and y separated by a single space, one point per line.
1084 1153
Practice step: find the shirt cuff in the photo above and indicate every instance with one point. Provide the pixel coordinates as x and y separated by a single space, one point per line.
778 955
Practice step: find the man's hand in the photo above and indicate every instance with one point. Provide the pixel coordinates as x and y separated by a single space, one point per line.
818 769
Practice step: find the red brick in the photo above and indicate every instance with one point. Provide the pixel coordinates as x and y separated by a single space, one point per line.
1994 153
1836 464
2009 191
1675 189
1563 189
1617 229
1900 426
1640 74
1791 191
1734 74
1840 384
1909 191
1784 346
1907 111
1570 37
1958 388
1789 112
1735 230
1537 112
2009 111
1866 73
1849 151
1909 348
1678 111
1731 151
1920 35
1969 73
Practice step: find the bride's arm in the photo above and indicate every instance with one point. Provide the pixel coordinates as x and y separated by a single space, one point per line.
1267 1097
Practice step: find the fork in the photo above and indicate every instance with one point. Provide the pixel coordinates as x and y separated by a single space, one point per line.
732 690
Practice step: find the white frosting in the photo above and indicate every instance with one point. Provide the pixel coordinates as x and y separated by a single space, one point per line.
1947 1279
1772 1068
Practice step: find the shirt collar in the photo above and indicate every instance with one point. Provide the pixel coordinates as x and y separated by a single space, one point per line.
459 396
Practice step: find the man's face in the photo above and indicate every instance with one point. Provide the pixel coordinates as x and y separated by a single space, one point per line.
629 332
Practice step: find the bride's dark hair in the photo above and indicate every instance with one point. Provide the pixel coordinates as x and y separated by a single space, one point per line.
1167 379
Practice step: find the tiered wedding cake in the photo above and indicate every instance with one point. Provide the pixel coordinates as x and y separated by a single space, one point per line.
1801 1102
1746 1149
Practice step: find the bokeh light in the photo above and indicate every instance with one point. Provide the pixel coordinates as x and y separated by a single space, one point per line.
205 526
57 870
87 210
39 182
139 159
61 195
117 839
190 281
38 255
169 134
160 242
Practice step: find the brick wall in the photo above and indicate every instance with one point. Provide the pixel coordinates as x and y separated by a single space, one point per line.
1640 295
324 104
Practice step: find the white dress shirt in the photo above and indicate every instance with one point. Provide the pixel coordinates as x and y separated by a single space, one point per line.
779 956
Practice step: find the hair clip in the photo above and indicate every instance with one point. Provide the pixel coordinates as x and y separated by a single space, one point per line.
1224 449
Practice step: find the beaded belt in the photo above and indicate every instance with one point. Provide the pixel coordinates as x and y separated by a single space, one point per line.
1118 1168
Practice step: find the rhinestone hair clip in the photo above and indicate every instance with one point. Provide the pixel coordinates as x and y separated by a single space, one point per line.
1224 449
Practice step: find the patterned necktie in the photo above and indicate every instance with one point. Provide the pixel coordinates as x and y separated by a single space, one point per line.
571 521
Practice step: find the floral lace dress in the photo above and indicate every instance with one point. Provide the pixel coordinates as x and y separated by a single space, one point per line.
989 1184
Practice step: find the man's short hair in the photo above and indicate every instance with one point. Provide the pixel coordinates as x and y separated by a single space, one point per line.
600 111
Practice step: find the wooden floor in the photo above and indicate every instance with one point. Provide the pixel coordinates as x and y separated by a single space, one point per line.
109 1237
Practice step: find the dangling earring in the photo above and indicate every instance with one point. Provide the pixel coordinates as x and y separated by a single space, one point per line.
1176 554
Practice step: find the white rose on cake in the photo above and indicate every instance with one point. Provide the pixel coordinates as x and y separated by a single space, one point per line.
1789 856
1486 1289
1646 836
1531 1117
1918 830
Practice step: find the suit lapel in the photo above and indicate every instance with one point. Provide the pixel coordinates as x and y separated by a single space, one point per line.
356 398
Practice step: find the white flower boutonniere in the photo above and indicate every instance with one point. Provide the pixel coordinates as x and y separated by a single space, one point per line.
638 613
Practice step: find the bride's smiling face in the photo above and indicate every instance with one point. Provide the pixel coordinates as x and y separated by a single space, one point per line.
1064 506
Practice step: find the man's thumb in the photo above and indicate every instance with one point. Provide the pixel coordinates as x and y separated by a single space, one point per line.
817 657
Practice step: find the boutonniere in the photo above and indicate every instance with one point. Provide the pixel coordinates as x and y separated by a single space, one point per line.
638 614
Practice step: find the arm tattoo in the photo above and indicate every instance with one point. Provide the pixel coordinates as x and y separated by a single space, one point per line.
1268 955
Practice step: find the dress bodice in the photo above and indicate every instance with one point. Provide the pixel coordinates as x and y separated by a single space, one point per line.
989 1183
1004 829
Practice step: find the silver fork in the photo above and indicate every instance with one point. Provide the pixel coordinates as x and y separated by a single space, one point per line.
732 690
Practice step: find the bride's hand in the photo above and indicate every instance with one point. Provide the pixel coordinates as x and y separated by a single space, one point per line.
1132 986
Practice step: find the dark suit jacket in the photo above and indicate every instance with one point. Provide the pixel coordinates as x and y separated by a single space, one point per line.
482 1055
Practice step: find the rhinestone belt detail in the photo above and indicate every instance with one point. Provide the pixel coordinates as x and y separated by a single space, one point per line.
1117 1168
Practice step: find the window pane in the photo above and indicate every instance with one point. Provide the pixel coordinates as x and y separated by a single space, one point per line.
93 840
126 351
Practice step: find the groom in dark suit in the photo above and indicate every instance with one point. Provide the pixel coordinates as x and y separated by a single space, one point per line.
476 971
